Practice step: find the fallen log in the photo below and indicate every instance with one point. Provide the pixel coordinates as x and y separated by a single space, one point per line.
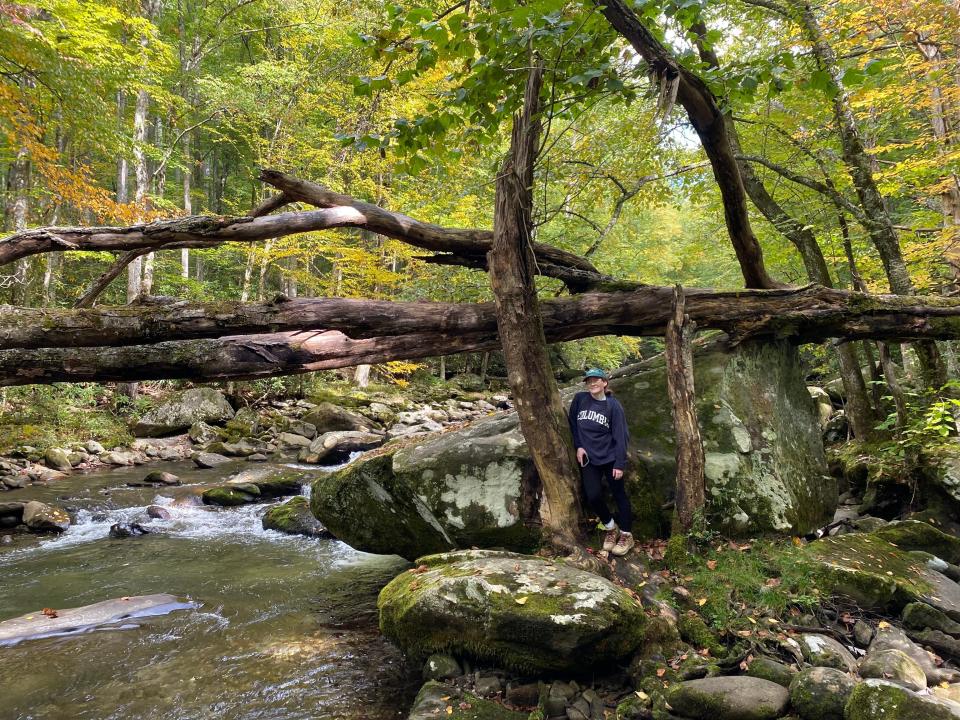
808 314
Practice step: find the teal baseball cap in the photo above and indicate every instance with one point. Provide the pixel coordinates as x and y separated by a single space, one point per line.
597 373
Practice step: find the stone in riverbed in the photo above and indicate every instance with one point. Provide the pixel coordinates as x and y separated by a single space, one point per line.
294 518
820 693
126 530
58 459
895 666
93 447
290 440
183 410
12 510
227 496
201 433
162 478
209 460
823 651
118 457
434 698
728 698
158 513
327 417
343 441
876 699
441 666
522 612
40 517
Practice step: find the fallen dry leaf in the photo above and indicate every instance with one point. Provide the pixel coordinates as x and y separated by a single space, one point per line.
712 564
521 600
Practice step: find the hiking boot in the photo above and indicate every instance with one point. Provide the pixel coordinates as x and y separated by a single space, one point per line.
624 544
610 539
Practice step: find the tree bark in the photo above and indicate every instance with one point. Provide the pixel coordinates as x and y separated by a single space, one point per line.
511 262
712 127
691 489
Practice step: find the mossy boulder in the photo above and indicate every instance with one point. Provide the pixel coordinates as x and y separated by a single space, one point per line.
895 666
517 611
728 698
435 698
42 518
875 699
824 651
183 410
367 507
327 417
880 576
254 485
338 444
768 669
820 693
294 518
916 535
228 496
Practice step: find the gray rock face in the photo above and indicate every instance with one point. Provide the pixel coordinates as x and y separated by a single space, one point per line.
525 612
824 651
118 457
291 440
180 412
203 433
40 517
162 478
892 638
327 417
728 698
93 447
342 441
821 693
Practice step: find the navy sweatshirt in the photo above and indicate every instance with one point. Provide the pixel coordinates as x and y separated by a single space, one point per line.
600 428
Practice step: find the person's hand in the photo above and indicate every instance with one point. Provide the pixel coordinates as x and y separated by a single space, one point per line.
581 456
617 474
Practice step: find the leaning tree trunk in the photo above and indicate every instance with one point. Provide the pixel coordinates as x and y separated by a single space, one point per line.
859 410
542 417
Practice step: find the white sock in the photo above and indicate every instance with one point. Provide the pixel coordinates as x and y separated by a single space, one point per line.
610 525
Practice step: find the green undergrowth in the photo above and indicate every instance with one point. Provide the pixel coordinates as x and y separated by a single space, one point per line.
62 414
737 587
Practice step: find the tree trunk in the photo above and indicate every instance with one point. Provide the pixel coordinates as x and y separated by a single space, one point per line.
691 489
511 262
361 377
17 212
712 126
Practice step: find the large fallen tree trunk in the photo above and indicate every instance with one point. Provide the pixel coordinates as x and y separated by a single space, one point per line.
808 314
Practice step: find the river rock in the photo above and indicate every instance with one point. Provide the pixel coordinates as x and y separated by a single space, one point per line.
271 482
246 422
820 693
920 616
183 410
57 458
768 669
75 620
892 638
290 440
162 478
824 651
439 700
209 460
522 612
728 698
916 535
93 447
126 530
12 510
294 518
202 433
118 457
227 496
441 666
158 513
880 699
341 441
880 576
40 517
13 482
370 509
327 417
895 666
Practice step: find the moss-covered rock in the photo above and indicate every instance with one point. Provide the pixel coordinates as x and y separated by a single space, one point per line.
895 666
439 700
824 651
879 575
294 518
768 669
920 616
820 693
183 410
728 698
227 496
327 417
367 507
916 535
521 612
874 699
271 481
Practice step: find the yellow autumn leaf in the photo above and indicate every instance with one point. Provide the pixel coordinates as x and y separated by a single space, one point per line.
449 709
883 624
701 602
521 600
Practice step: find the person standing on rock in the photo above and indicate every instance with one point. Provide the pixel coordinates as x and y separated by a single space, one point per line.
599 428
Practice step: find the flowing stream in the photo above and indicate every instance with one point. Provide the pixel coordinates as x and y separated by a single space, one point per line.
283 627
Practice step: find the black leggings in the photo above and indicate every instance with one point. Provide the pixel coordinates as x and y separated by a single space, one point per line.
593 477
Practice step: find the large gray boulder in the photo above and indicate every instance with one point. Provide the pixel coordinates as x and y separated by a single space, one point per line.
522 612
183 410
765 463
42 518
728 698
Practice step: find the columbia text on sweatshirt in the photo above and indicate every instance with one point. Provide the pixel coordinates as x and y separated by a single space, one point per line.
600 428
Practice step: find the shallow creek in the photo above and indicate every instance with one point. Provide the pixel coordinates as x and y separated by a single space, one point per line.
283 627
